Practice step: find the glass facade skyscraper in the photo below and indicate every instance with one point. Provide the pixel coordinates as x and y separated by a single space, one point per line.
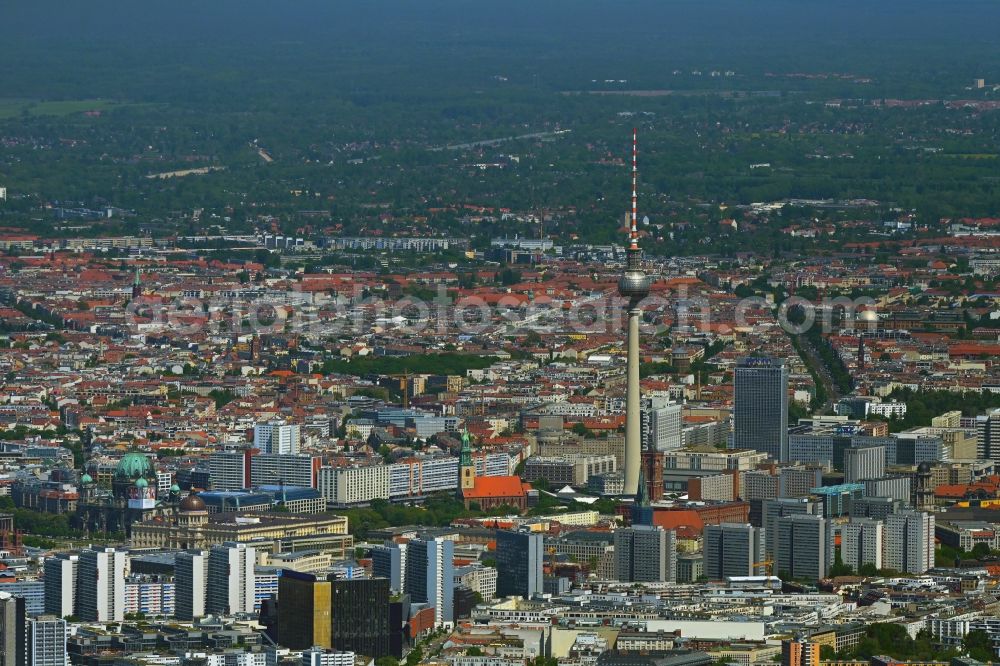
520 557
760 406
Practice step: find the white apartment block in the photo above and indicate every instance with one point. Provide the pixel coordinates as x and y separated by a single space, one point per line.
343 486
100 593
277 437
231 583
149 597
909 542
862 542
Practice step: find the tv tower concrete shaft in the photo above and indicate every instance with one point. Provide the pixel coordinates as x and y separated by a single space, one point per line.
633 285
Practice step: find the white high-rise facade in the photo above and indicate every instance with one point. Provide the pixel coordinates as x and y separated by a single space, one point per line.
231 582
277 437
661 424
861 542
430 577
100 590
909 542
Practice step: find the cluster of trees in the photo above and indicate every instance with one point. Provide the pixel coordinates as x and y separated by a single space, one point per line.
437 511
947 556
436 364
885 638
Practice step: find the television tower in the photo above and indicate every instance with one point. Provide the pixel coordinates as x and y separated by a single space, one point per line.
633 285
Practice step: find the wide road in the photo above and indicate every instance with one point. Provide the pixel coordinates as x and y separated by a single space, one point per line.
813 360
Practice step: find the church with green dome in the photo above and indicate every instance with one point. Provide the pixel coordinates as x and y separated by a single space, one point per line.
133 497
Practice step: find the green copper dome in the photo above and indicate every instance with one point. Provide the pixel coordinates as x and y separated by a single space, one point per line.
86 478
175 488
134 465
141 483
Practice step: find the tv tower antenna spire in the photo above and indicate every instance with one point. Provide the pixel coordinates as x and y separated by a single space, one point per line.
634 230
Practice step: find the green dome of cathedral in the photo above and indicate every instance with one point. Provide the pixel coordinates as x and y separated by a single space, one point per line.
134 465
86 478
141 483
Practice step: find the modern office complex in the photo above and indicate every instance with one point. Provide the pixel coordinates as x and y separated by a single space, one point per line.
864 462
190 584
304 618
100 590
645 553
760 407
661 425
60 584
733 549
803 547
231 579
519 556
389 562
359 613
430 576
772 509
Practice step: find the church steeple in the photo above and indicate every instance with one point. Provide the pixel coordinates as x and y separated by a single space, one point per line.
642 512
467 468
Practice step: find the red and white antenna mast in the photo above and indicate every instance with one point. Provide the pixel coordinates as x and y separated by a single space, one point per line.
634 230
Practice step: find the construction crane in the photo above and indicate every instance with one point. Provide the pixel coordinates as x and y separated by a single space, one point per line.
767 564
405 386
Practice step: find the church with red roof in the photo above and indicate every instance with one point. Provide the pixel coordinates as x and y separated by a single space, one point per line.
488 491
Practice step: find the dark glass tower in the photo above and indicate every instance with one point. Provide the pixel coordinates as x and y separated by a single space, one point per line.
760 407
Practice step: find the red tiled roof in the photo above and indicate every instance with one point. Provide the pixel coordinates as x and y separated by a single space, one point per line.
496 486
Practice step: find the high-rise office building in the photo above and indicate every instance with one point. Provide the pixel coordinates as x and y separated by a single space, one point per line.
799 653
519 556
645 553
12 630
359 614
100 586
988 436
430 576
760 406
661 424
277 437
803 546
304 604
229 470
60 584
733 549
190 584
772 509
295 469
875 507
389 561
46 641
231 582
864 462
861 542
909 542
